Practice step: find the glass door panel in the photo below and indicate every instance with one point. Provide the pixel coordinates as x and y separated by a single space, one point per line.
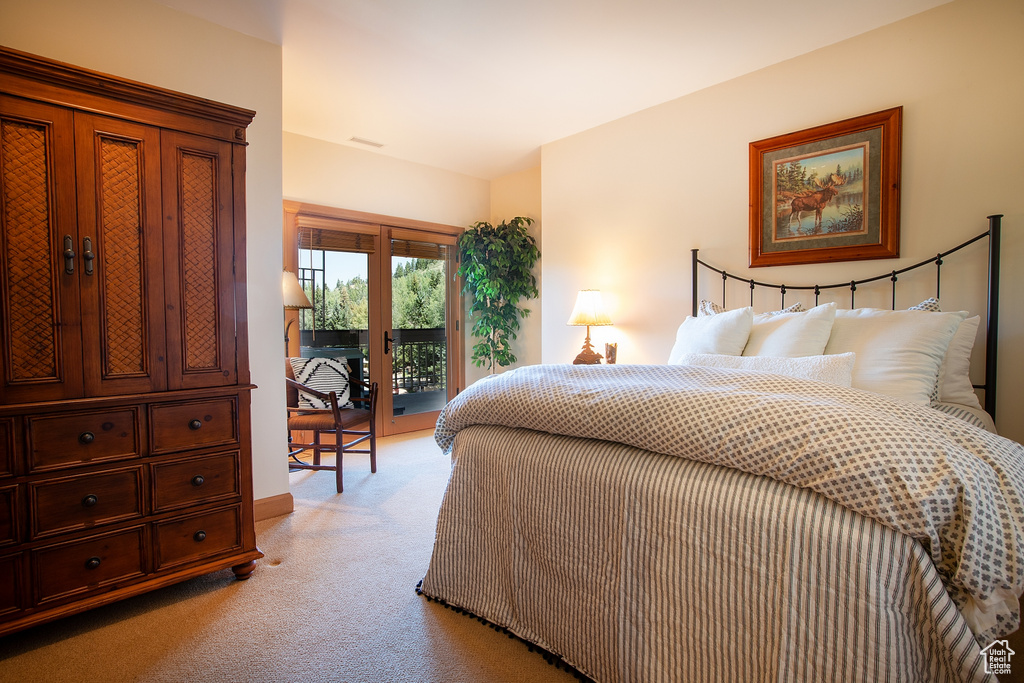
419 305
338 285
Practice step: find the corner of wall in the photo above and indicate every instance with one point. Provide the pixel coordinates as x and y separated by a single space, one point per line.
517 194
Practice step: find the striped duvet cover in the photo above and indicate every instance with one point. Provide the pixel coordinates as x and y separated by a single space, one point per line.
636 564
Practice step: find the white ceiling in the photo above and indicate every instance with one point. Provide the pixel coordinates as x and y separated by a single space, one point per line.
477 86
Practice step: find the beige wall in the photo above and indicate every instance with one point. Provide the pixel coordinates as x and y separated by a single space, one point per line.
148 42
625 202
517 194
345 177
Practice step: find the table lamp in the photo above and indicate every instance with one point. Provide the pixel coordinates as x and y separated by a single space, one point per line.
589 310
294 300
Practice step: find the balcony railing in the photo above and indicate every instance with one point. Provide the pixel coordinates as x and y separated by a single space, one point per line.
419 361
419 356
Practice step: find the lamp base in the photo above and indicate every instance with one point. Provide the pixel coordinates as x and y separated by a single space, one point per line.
588 356
287 327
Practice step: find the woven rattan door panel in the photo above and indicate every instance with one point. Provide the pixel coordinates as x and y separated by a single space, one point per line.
198 253
122 291
41 346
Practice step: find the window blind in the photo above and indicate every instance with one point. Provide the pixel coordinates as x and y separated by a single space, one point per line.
412 249
335 240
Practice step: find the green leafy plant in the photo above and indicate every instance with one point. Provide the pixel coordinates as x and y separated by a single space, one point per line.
497 264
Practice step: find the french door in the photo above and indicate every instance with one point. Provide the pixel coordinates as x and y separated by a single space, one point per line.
419 301
385 297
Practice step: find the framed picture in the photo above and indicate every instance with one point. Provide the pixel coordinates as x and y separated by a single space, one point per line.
830 193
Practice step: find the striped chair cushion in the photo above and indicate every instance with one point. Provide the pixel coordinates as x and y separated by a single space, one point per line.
325 375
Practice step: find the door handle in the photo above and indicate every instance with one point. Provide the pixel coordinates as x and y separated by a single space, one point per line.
88 255
387 342
69 255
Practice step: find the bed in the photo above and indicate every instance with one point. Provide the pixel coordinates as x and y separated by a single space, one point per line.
701 522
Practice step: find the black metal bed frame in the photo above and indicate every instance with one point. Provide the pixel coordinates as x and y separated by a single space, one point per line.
992 314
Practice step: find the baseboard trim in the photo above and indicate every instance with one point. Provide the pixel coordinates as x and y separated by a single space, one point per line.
274 506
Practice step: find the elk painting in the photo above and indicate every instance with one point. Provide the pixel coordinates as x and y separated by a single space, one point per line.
820 194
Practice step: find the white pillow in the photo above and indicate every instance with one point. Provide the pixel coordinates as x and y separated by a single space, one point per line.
953 384
898 352
724 333
836 369
954 375
789 335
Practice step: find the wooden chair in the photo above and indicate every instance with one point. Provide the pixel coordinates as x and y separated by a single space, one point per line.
335 420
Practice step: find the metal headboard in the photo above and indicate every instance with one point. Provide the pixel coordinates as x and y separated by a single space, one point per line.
992 328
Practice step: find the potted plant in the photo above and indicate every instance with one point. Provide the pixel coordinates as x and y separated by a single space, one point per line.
496 262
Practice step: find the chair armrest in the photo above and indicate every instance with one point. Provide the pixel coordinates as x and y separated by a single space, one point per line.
358 382
330 397
307 390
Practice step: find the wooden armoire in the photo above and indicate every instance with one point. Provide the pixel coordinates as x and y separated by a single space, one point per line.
125 447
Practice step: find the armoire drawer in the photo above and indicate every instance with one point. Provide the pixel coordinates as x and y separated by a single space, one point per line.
91 563
8 515
69 503
56 441
180 426
195 481
190 538
10 584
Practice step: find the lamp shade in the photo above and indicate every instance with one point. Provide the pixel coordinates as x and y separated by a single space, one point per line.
294 297
589 309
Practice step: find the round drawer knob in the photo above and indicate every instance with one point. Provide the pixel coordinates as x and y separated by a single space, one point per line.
86 437
194 424
198 480
89 501
92 563
199 536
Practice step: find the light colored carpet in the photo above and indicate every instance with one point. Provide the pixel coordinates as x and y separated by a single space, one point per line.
333 600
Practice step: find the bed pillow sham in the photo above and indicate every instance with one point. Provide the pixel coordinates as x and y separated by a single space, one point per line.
725 333
954 375
791 335
711 308
929 304
834 369
954 382
899 353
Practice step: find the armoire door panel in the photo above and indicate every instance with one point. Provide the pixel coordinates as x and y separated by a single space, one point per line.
198 243
121 279
38 253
